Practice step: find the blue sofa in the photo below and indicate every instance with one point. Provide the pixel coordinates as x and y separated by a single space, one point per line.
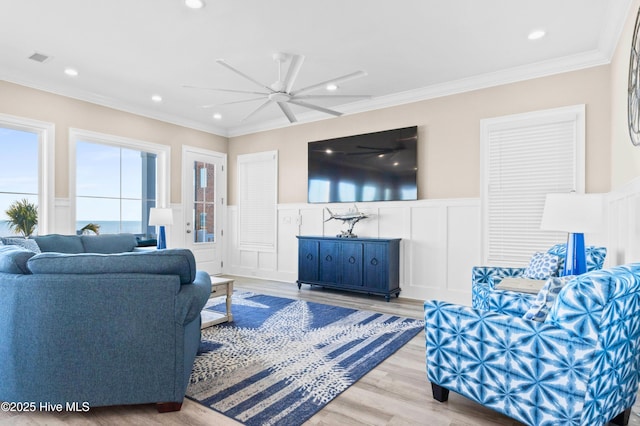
579 365
92 321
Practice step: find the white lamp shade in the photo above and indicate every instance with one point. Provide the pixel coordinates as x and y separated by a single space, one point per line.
159 216
573 213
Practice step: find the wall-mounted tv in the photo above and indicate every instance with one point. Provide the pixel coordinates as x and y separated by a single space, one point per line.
380 166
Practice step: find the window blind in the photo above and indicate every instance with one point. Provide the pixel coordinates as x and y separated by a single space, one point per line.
257 201
526 157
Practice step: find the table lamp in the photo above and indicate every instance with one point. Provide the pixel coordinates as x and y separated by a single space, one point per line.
575 214
161 217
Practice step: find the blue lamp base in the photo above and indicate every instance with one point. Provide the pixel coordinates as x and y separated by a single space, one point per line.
162 238
576 260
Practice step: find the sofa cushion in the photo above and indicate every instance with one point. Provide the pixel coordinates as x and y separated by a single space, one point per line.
542 266
60 243
162 262
546 298
108 243
13 259
27 243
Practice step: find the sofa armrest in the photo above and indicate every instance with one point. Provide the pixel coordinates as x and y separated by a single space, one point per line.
493 274
484 280
192 298
501 361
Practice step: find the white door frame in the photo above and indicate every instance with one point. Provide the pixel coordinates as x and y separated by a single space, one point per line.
221 202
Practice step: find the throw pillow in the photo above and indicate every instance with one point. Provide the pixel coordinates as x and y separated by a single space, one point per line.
546 298
27 243
542 266
13 260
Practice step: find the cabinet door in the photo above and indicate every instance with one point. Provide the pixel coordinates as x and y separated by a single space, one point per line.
376 273
329 251
307 260
351 257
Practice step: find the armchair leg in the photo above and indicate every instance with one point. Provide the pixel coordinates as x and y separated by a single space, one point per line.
440 394
622 419
167 407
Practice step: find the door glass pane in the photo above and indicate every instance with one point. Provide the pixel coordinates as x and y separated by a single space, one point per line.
204 202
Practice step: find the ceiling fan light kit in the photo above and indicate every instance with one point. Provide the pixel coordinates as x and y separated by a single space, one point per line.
281 92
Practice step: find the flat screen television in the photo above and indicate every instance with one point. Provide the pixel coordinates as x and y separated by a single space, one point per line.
380 166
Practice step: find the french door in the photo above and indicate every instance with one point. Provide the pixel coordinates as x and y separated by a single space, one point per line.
204 194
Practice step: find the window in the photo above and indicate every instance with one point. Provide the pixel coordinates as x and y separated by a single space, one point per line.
525 157
116 182
27 168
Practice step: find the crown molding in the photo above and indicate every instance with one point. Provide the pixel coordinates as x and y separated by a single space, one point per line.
512 75
616 13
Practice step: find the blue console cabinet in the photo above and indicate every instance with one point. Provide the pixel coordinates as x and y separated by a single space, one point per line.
366 265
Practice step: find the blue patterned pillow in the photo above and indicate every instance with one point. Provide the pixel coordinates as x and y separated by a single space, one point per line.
542 266
546 298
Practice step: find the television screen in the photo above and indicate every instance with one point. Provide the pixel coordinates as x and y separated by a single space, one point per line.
380 166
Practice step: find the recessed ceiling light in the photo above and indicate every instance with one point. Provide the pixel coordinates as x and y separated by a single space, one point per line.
156 98
217 116
331 87
71 72
536 34
194 4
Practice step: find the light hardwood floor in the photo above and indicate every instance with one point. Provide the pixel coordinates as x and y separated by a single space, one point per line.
394 393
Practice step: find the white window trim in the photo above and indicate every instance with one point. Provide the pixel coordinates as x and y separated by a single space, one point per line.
163 159
575 113
46 167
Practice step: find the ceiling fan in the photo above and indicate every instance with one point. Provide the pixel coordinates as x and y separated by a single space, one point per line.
281 92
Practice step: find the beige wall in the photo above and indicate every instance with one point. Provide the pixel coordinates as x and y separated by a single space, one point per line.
449 140
68 113
625 164
448 134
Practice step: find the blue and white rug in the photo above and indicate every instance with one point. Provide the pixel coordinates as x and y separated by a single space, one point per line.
282 360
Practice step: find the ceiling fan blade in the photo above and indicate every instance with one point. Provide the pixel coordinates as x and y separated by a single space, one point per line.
333 97
231 103
260 108
337 80
292 72
316 107
287 111
225 90
226 65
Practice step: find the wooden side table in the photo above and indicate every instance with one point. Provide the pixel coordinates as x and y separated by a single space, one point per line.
209 317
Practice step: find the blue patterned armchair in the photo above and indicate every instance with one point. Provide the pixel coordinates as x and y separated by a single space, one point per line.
578 367
485 296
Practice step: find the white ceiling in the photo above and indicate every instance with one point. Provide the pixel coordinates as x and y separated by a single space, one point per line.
127 50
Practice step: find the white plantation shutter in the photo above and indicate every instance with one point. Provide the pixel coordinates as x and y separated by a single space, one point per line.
257 200
527 156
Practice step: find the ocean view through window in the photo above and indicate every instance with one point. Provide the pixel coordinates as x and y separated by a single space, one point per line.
115 187
19 175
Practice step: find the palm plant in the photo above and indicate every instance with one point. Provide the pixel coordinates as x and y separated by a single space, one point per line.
23 217
93 227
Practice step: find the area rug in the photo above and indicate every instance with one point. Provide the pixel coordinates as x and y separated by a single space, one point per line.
282 360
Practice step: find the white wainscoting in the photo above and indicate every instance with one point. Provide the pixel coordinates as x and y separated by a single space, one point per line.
440 243
623 210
